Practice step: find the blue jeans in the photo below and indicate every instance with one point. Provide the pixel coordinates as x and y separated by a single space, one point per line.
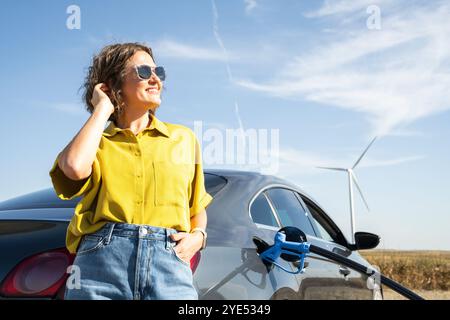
129 261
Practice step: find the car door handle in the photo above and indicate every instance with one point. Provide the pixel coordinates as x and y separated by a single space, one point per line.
345 271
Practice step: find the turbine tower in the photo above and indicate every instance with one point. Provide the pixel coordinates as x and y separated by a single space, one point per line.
352 179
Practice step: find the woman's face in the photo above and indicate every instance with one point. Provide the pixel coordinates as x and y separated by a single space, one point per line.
140 93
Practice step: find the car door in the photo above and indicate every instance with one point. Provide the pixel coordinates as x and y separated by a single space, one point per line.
352 285
229 267
321 278
285 285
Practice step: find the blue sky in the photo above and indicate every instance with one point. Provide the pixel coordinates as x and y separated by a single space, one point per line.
313 70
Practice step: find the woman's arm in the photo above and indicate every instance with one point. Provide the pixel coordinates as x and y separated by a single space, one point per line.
199 220
78 156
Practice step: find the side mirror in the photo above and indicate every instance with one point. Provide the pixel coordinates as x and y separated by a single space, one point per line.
365 240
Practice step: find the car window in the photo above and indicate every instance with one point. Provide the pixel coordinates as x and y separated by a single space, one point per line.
318 221
214 183
289 209
262 213
322 233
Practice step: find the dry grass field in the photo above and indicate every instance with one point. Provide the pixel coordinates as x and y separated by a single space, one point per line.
426 272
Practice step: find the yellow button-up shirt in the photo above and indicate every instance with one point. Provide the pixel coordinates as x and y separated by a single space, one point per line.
154 178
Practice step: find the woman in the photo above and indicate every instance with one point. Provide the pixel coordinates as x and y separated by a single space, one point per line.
142 214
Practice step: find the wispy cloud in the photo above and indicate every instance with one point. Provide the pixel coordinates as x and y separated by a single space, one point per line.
250 5
293 162
339 7
69 108
370 162
407 133
227 64
219 39
171 48
394 76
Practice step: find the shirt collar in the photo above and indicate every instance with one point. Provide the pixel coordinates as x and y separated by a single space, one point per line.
157 124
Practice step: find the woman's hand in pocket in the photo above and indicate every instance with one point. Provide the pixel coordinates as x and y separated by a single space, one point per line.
187 244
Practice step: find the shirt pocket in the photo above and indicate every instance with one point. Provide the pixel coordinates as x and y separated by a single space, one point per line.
171 183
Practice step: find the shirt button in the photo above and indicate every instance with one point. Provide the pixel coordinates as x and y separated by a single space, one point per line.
137 153
138 175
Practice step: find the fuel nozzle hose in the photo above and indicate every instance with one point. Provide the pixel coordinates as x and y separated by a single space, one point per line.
290 244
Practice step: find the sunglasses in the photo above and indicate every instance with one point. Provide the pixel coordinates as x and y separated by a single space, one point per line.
144 72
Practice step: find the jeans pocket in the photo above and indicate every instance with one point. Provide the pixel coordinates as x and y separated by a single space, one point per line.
174 253
91 243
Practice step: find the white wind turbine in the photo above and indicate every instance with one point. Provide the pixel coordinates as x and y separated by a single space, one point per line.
352 179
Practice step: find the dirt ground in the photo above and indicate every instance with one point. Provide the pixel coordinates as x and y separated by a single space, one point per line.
426 294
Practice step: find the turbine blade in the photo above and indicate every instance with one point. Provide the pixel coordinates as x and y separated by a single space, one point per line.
362 155
329 168
359 189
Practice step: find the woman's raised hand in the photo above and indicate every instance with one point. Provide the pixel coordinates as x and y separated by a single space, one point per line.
100 98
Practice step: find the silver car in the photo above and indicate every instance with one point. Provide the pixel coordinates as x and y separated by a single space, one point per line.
34 261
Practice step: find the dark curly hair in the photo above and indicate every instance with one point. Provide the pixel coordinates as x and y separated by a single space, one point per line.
109 67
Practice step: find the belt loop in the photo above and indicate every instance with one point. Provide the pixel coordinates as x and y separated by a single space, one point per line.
167 235
108 239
